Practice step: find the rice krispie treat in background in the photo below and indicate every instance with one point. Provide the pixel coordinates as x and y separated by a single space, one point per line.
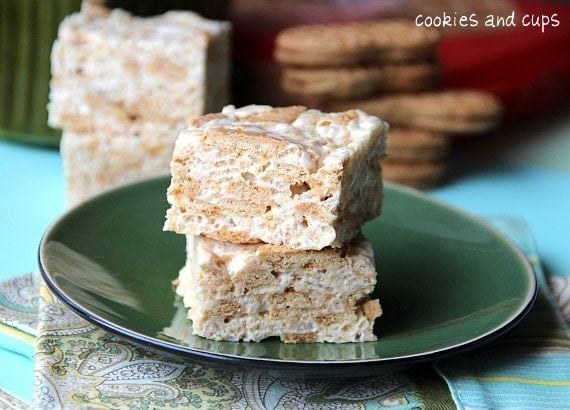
124 86
286 176
250 292
111 70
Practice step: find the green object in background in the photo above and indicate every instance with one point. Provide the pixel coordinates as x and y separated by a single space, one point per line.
27 31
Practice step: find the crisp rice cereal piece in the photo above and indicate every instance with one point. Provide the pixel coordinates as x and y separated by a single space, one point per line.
355 43
253 291
292 176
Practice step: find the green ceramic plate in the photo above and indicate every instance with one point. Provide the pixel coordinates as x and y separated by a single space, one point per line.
447 282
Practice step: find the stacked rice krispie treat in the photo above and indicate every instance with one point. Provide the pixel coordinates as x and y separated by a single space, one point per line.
388 68
271 201
124 86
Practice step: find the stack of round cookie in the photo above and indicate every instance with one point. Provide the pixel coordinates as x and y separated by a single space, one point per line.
387 68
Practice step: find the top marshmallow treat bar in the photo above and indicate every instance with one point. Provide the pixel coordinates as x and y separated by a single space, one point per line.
285 176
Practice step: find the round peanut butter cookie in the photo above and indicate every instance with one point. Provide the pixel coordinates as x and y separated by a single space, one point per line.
359 81
410 144
355 43
415 174
447 111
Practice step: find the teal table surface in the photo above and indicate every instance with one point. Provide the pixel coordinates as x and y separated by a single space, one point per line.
31 197
522 171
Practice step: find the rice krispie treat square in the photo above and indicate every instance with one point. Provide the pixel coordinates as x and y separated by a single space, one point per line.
111 69
253 291
285 176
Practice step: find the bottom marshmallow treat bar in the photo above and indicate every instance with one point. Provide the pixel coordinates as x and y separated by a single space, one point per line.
250 292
